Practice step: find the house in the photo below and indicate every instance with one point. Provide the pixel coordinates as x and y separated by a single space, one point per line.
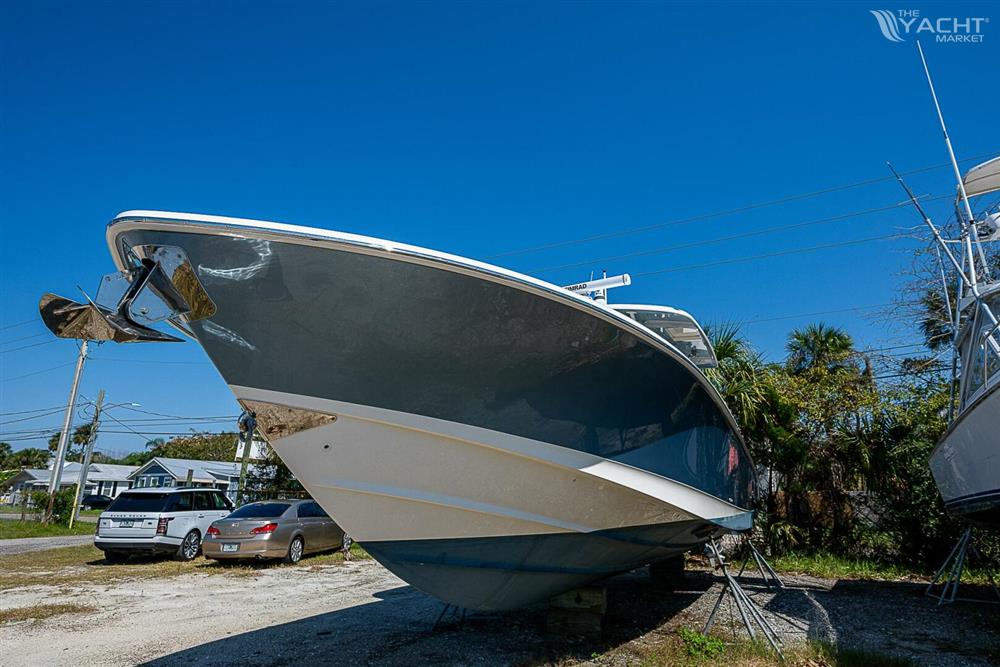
102 478
108 479
160 471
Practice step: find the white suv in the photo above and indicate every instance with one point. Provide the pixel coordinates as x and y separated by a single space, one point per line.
166 521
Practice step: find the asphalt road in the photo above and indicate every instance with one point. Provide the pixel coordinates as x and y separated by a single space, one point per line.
23 544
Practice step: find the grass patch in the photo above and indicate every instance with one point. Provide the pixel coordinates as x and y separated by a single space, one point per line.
698 645
85 565
13 529
830 566
40 612
690 648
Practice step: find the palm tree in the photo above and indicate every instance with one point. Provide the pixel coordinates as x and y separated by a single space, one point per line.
818 345
935 324
740 377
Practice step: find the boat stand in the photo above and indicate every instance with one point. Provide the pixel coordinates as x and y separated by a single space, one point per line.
749 612
455 611
767 574
949 576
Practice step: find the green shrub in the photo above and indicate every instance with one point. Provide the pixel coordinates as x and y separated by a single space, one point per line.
699 645
62 505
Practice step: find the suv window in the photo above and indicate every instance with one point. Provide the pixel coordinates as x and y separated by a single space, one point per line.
220 501
202 501
138 502
179 502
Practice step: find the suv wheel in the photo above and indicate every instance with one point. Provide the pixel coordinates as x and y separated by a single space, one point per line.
295 550
190 546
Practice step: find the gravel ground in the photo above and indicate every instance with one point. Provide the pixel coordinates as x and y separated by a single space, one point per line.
23 544
359 613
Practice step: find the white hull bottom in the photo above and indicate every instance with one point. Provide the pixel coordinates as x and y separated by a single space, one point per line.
483 519
966 464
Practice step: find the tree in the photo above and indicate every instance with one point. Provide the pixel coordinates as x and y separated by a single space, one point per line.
271 478
135 459
935 324
79 438
766 419
818 345
27 458
908 423
200 446
5 451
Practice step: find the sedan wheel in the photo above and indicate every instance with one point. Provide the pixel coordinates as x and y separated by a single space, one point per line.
190 546
295 550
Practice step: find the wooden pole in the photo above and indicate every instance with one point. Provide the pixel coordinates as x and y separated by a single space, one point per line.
81 483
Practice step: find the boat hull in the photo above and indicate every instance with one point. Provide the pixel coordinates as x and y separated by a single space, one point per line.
492 439
482 519
966 463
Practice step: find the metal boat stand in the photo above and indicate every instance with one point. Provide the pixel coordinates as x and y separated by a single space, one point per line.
950 573
767 574
749 612
455 611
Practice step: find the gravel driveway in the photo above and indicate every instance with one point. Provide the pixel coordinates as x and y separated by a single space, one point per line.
23 544
359 613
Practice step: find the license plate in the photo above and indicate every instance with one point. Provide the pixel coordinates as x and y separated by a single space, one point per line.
126 524
230 548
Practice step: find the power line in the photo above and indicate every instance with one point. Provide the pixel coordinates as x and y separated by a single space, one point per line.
176 420
782 253
896 347
18 340
818 312
25 412
125 425
18 324
156 414
148 361
25 347
44 370
726 212
38 416
742 235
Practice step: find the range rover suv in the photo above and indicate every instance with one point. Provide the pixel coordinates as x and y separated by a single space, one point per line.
170 521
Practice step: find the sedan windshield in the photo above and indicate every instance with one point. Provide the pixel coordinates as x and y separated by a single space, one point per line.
138 502
259 511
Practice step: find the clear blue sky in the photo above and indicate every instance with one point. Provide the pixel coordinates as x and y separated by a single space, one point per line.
474 128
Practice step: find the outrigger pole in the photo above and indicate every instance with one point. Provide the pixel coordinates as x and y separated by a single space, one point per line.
970 219
967 222
965 279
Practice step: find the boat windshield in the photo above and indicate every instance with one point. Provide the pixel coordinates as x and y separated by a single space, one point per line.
980 362
678 328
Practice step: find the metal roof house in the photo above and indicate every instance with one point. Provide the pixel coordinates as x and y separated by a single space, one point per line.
102 478
167 472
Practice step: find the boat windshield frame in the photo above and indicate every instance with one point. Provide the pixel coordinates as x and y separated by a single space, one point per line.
683 318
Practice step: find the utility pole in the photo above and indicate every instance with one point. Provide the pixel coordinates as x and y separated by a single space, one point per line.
81 485
247 424
55 477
